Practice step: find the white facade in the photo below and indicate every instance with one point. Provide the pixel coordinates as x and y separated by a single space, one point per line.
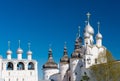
83 56
18 69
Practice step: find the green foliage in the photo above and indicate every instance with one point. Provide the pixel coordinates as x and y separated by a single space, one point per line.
85 77
106 71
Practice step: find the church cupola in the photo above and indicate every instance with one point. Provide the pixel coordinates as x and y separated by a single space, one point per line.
89 30
9 52
78 45
99 37
65 58
19 52
50 63
29 53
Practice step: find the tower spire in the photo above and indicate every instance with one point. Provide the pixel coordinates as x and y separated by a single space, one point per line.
19 43
86 22
88 16
8 45
98 27
29 46
65 44
78 31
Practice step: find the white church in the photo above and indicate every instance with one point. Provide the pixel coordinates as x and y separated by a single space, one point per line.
18 69
85 54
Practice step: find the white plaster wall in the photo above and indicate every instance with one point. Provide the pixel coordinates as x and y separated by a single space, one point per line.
29 57
99 42
63 70
47 73
0 67
21 75
9 56
19 56
75 69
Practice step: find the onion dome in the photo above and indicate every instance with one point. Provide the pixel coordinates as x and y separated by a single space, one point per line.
76 53
86 35
29 51
50 63
9 52
99 35
76 44
19 50
65 58
89 29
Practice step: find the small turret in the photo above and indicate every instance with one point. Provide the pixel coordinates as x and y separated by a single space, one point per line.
29 53
50 63
64 64
19 52
9 52
78 45
50 67
89 29
65 58
99 37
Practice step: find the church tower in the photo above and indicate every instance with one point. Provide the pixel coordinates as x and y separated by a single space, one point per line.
19 52
99 37
88 32
50 67
9 52
75 59
64 65
29 53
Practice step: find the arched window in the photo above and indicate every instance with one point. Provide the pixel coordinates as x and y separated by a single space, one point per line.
9 66
52 80
31 66
20 66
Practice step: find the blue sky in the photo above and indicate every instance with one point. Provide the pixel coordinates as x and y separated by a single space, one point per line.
44 22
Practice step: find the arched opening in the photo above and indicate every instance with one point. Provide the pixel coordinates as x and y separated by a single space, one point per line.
31 66
52 80
9 66
20 66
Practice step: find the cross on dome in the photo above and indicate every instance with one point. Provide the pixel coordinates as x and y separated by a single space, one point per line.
65 47
19 43
50 49
86 23
78 31
88 16
98 27
29 44
9 45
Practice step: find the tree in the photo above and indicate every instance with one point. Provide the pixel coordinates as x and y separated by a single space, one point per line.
85 77
106 69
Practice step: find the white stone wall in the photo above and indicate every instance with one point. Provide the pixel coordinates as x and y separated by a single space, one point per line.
9 56
49 72
19 75
63 71
75 65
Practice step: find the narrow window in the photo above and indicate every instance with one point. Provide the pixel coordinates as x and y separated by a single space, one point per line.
95 61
